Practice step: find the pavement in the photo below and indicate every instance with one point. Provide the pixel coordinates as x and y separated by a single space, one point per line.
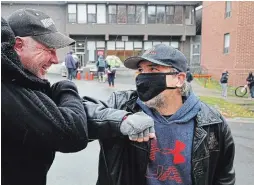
81 168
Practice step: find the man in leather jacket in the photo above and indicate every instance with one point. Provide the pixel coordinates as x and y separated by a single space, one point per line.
193 145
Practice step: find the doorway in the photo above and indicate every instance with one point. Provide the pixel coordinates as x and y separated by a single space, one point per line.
81 57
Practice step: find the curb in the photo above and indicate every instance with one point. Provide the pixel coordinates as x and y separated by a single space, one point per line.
240 120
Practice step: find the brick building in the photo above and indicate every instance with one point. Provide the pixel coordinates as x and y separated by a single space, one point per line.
228 39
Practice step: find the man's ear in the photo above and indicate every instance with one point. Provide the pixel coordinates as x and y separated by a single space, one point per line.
181 78
19 44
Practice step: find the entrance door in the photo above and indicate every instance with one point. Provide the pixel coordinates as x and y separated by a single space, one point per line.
81 57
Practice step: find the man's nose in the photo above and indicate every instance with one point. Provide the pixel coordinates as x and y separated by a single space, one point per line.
54 58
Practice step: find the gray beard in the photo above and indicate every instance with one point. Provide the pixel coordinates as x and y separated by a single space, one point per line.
157 102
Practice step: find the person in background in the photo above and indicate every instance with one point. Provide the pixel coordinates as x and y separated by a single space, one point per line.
189 76
224 83
101 65
250 82
70 65
111 76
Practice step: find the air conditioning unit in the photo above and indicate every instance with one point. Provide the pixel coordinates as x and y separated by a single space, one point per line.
226 50
227 14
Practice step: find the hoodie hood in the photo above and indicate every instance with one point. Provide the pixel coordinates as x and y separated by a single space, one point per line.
12 68
187 112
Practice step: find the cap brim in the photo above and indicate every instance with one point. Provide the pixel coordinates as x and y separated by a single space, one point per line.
54 40
132 62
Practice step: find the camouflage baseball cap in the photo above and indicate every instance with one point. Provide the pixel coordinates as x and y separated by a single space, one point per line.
39 26
160 54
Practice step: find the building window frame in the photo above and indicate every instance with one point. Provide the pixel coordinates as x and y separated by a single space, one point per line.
126 14
72 13
226 47
155 13
112 14
95 14
131 14
228 9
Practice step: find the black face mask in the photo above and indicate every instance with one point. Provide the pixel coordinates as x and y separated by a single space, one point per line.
150 85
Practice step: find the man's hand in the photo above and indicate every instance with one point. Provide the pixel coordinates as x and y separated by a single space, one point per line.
139 127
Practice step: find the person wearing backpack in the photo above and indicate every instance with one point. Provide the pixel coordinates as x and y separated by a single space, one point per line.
189 76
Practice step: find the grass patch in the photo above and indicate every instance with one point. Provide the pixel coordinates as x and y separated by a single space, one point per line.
227 109
215 85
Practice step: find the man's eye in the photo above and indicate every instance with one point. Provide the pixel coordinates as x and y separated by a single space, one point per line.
154 69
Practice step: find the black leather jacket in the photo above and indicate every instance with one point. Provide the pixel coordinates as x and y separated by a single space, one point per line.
123 162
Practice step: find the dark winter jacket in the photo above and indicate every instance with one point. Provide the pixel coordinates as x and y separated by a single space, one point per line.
250 79
123 162
224 78
37 119
70 62
189 76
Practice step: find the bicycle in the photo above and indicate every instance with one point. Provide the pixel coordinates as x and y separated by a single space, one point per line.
241 91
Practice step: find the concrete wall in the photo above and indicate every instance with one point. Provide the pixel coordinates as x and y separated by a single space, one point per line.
140 29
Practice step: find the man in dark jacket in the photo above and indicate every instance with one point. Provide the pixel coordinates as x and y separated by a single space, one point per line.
250 82
189 76
70 64
193 144
224 83
39 119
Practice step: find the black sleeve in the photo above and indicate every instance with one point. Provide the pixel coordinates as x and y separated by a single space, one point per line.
33 118
103 122
225 171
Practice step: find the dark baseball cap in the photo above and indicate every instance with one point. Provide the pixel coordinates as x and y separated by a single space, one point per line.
160 54
39 26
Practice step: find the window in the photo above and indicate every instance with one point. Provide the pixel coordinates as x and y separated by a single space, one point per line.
112 13
226 43
151 15
131 14
170 10
178 18
128 45
100 44
81 13
121 14
91 13
160 14
166 43
72 16
137 45
119 44
111 45
101 13
228 9
148 45
189 15
140 14
156 43
174 44
91 50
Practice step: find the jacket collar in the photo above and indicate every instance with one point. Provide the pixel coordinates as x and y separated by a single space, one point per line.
206 116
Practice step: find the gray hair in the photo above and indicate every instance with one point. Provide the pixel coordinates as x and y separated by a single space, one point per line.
186 87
